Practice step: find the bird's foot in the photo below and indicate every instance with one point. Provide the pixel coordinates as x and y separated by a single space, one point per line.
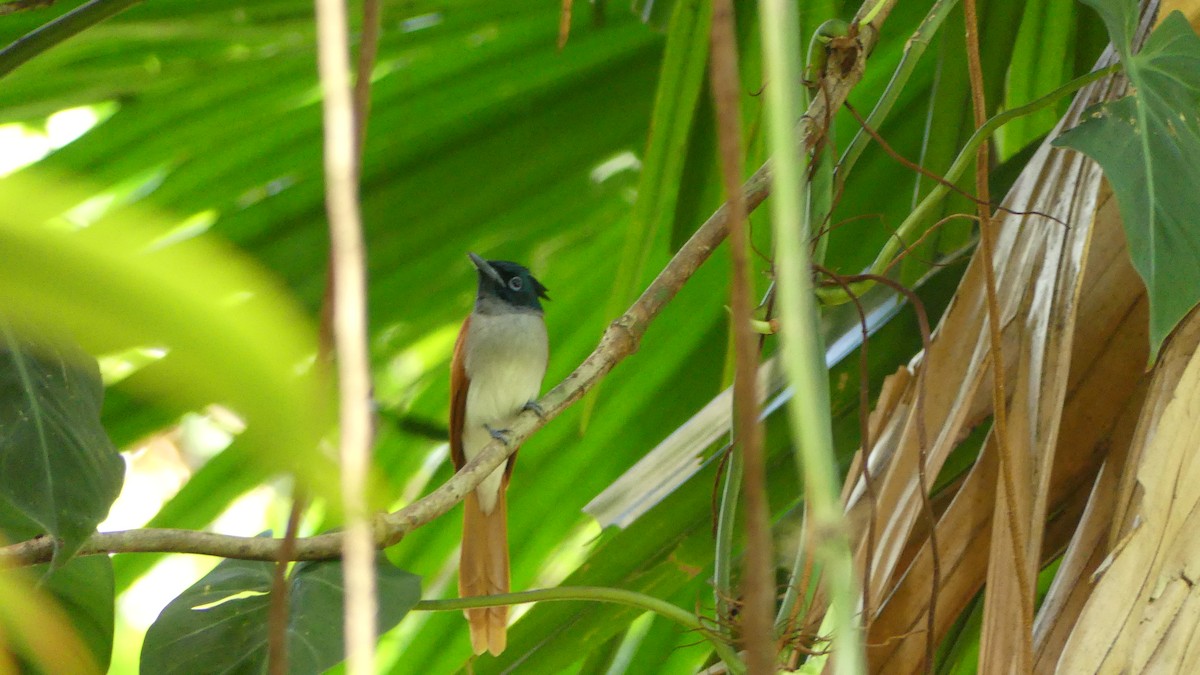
535 407
498 434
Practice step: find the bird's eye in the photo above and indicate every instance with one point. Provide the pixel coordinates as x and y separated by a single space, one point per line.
515 283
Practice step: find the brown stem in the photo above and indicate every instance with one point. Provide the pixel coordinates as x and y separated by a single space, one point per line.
922 459
277 618
999 397
758 585
278 611
368 49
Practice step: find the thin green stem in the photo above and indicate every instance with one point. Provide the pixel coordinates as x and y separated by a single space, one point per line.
820 202
917 218
618 596
792 593
913 50
58 30
808 412
872 14
724 550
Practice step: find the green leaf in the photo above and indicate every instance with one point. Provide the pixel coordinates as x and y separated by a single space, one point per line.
39 636
57 467
83 588
675 104
1148 145
219 624
1040 62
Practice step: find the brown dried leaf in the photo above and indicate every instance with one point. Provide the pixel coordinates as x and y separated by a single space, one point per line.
1039 268
1109 347
1143 613
1106 380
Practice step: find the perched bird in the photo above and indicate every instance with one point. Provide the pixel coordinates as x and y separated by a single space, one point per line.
499 361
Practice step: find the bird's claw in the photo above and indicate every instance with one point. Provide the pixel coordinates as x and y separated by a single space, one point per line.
498 434
535 407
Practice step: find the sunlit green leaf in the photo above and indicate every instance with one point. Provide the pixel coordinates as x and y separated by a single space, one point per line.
133 285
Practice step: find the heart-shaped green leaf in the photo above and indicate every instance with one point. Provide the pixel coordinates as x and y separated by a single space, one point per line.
1149 145
219 624
58 469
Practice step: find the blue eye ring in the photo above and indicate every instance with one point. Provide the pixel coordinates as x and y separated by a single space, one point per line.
515 283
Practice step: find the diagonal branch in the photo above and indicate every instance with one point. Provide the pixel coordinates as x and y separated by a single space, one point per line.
619 341
68 25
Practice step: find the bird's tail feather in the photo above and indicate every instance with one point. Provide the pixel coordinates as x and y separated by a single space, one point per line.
483 570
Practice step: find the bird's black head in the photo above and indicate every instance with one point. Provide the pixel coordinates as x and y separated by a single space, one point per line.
506 283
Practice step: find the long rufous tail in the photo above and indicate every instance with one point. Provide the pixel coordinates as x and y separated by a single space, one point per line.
483 570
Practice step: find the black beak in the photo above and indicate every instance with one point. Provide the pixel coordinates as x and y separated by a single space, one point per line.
483 266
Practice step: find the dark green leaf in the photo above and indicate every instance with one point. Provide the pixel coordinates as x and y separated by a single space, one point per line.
83 587
84 590
57 466
1149 145
219 624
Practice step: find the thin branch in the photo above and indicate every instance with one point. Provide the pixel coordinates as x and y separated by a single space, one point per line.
922 460
58 30
933 176
368 49
277 617
350 330
619 341
618 596
836 296
987 247
914 48
758 584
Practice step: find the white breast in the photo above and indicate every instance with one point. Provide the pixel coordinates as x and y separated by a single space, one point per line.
505 362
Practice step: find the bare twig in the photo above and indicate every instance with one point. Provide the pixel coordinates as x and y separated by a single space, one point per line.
368 48
987 247
922 459
350 330
757 584
935 177
277 617
58 30
619 341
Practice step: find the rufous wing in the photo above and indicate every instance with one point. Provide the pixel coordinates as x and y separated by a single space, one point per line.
458 396
483 565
